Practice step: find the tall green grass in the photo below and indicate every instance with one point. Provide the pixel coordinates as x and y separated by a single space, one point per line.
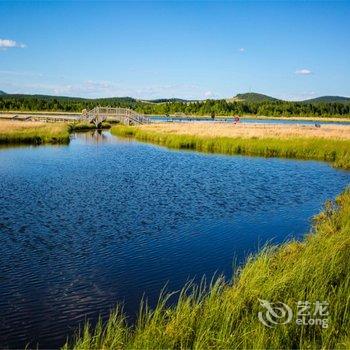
83 126
224 315
48 133
335 151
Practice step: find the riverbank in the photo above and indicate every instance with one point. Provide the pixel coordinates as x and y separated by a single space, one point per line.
311 119
256 117
10 114
226 315
329 143
17 132
36 133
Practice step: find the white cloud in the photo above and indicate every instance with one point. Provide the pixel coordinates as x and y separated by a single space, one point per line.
208 94
303 71
242 49
9 44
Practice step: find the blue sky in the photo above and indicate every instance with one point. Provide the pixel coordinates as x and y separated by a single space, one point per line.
291 50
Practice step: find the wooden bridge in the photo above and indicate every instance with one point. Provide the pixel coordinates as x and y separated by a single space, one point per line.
95 116
127 116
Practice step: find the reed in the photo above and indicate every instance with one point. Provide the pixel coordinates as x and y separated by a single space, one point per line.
83 126
15 132
252 130
23 132
224 315
300 146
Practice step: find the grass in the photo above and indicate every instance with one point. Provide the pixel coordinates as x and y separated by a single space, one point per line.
273 141
16 132
81 126
251 130
23 132
224 315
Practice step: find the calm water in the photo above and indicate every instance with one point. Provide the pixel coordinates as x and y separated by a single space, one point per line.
85 226
242 121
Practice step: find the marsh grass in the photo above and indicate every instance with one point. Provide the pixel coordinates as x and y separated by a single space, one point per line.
336 151
17 132
81 126
252 130
223 315
24 132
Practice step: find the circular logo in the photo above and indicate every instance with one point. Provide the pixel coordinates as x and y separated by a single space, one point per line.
274 313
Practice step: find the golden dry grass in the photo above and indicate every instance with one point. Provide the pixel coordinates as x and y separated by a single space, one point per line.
212 130
9 126
33 132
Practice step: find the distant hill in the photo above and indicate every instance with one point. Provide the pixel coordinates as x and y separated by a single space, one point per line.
68 98
255 97
164 100
329 99
41 97
251 97
249 103
131 102
112 100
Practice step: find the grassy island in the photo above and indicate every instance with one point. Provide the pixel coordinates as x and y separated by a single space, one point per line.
329 143
17 132
225 314
23 132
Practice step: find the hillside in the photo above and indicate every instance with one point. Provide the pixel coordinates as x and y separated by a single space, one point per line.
256 97
329 99
68 98
251 97
241 104
168 100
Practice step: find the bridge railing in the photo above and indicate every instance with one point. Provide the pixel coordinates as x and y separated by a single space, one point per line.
124 115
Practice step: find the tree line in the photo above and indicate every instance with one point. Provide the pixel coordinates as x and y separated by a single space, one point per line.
199 108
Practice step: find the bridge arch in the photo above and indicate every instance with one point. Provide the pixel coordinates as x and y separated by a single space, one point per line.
126 116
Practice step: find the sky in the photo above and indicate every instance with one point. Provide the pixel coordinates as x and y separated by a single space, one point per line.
193 50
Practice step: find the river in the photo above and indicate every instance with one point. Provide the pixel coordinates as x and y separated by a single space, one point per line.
106 220
245 120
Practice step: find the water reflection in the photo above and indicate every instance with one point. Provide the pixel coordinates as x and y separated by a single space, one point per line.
94 137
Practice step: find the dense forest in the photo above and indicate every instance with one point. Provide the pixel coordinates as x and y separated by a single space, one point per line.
208 107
